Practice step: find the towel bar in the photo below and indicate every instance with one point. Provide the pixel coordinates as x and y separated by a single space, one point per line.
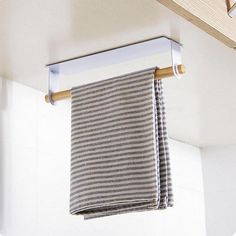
113 56
159 74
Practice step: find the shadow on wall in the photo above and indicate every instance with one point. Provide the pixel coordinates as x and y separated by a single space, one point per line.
4 45
91 27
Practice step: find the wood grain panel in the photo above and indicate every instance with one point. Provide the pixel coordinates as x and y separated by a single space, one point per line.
209 15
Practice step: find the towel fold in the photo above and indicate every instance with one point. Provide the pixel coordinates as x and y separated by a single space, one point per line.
119 147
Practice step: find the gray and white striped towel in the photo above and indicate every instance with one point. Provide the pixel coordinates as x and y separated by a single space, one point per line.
119 149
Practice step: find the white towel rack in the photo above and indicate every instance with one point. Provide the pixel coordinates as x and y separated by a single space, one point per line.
113 56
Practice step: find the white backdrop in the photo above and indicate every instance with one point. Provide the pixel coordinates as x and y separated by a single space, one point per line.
219 171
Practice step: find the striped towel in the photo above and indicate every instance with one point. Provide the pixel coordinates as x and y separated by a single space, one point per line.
119 149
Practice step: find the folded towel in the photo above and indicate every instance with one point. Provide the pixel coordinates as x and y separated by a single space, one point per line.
119 150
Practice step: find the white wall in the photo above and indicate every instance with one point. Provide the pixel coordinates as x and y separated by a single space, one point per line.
219 171
35 165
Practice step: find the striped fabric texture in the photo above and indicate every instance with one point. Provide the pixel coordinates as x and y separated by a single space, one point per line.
119 147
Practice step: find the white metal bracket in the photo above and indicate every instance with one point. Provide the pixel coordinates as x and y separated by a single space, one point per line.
176 58
53 84
114 56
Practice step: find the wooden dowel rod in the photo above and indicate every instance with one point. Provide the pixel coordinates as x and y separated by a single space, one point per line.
168 72
159 74
59 96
